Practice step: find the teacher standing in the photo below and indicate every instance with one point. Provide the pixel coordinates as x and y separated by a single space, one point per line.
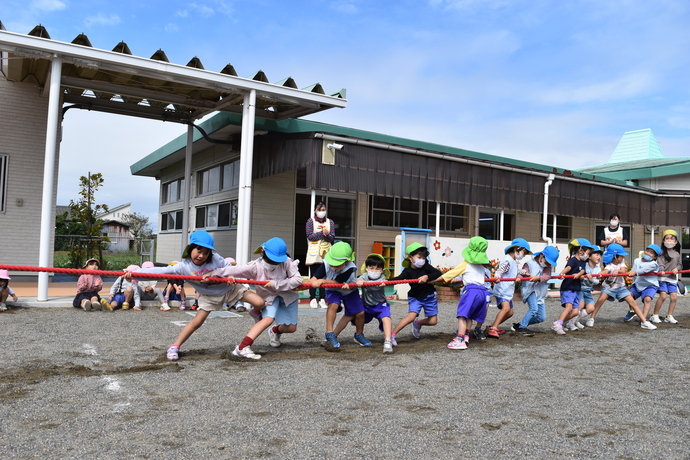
320 238
614 233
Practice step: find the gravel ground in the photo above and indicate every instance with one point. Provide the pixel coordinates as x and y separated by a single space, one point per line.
97 385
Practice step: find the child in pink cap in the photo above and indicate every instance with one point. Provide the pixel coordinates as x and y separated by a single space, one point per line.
5 289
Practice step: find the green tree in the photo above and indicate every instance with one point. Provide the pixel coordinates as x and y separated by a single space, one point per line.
83 212
139 227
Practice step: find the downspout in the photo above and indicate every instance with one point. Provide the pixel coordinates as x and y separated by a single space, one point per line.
547 184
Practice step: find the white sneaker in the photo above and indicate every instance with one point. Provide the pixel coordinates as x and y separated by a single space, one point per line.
558 328
670 319
274 339
165 306
589 322
323 304
569 326
246 352
579 325
314 303
655 319
387 346
647 325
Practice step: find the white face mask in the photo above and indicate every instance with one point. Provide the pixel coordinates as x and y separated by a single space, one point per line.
519 256
321 214
267 266
542 264
584 257
374 275
418 263
614 223
669 244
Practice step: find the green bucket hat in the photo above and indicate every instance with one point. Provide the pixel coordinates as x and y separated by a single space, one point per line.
340 253
475 252
412 247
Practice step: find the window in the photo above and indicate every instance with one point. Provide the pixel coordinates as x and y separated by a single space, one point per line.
490 226
563 225
454 217
401 212
222 177
4 160
173 191
171 221
221 215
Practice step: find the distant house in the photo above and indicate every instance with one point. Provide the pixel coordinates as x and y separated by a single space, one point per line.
114 227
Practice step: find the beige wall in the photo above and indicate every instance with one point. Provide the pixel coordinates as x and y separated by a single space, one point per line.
273 210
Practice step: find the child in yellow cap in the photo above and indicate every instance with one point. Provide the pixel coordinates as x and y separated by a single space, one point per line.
669 261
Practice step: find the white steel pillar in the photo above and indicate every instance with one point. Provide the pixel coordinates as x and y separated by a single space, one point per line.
187 186
245 191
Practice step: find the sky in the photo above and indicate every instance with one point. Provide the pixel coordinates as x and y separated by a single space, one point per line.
551 82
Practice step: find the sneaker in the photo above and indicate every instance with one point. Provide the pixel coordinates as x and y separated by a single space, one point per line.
274 338
313 303
363 341
570 326
416 329
492 332
670 319
241 307
648 325
105 305
96 306
3 306
165 306
655 319
246 352
331 340
589 322
478 333
255 316
458 343
183 306
579 325
173 353
515 327
525 332
86 305
125 305
387 346
323 304
558 328
393 341
629 317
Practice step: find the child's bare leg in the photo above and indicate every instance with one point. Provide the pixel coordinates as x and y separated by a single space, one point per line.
429 321
633 306
660 302
573 313
411 316
462 326
565 314
600 301
359 323
647 306
287 328
387 327
259 327
503 314
4 295
342 324
331 313
192 326
672 303
129 294
254 299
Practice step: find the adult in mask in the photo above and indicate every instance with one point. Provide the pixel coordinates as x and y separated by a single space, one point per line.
614 233
320 238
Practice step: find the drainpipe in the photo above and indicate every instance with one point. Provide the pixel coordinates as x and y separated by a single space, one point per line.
547 184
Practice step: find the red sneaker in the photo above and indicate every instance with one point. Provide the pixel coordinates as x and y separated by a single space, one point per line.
492 332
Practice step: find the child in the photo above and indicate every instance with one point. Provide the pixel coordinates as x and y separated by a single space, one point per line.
149 291
279 295
238 306
338 268
669 261
374 297
174 290
645 286
88 287
198 260
613 287
475 297
592 268
570 287
5 290
504 290
124 290
535 290
422 295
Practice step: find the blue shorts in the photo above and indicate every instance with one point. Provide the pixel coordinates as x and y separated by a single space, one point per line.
473 303
668 286
352 302
500 300
571 297
119 298
586 297
618 294
428 303
378 311
649 291
281 313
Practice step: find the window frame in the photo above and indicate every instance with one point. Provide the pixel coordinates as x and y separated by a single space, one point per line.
203 178
4 168
231 215
165 193
176 216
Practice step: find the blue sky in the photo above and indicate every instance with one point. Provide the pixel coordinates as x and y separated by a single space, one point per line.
552 82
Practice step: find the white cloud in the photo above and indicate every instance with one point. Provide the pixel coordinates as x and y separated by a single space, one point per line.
345 7
203 10
102 19
172 27
182 13
625 87
48 5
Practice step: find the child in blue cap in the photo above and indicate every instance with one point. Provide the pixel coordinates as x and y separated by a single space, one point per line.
592 269
199 260
644 285
504 290
282 274
534 291
570 287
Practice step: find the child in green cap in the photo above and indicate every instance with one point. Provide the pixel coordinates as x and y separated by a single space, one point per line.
474 297
422 294
339 268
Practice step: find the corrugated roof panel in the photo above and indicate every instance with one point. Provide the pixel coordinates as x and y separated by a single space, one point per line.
635 146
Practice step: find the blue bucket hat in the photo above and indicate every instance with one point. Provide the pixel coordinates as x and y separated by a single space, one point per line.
550 254
616 249
200 238
597 248
518 242
275 249
655 248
